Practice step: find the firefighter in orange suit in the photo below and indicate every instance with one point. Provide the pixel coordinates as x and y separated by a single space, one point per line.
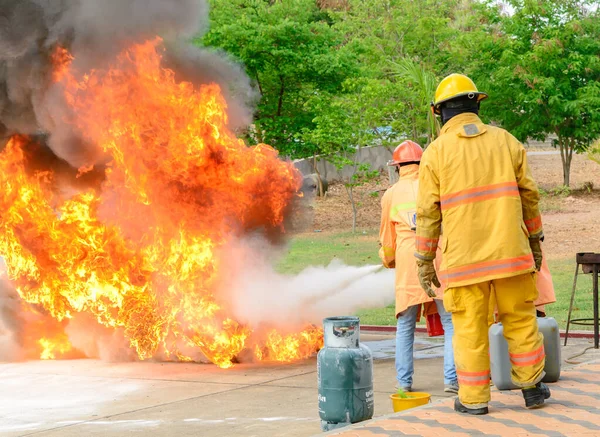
545 288
474 181
397 239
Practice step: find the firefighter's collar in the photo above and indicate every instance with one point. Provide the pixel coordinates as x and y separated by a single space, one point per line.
465 125
409 171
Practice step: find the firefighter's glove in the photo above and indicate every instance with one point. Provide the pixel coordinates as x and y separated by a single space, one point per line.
427 276
536 250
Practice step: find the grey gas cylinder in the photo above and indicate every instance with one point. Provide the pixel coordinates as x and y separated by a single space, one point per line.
500 365
344 374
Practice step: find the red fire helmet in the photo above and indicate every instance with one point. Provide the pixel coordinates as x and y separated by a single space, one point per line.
407 151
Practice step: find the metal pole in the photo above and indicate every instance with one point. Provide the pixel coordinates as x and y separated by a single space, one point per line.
572 298
595 291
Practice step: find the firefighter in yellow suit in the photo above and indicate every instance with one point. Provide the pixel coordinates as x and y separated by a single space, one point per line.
474 180
397 239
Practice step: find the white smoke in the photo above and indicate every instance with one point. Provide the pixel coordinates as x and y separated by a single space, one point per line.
258 295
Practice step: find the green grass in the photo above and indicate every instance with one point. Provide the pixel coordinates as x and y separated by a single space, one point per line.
320 249
362 248
551 204
381 316
562 277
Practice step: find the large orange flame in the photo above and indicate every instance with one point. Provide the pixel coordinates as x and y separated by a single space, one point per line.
144 254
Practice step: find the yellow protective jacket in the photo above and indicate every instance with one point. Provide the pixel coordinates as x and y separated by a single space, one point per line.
474 177
397 239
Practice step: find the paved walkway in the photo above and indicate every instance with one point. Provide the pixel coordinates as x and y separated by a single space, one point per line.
573 410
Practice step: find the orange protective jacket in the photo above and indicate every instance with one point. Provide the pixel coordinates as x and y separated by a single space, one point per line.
477 177
545 286
397 239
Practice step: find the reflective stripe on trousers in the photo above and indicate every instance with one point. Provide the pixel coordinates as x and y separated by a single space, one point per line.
528 358
473 378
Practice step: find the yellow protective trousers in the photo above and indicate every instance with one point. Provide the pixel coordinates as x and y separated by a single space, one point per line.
469 306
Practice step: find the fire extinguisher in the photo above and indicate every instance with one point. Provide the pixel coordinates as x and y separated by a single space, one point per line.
434 325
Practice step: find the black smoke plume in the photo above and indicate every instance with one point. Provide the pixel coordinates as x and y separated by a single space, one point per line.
94 32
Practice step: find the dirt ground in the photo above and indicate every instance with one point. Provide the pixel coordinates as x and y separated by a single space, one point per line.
570 218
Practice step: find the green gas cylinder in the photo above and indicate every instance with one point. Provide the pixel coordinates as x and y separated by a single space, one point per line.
345 375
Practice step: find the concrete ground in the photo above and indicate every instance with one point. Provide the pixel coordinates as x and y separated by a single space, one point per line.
90 397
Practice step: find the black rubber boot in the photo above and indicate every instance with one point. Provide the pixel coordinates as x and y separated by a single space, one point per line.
474 411
535 397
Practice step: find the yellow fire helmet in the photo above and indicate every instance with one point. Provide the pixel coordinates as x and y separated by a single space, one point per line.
452 86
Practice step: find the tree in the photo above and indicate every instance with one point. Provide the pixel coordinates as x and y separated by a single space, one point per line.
397 45
423 30
424 84
541 66
346 123
409 44
292 51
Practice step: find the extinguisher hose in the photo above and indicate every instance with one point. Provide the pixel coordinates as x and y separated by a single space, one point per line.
430 347
570 359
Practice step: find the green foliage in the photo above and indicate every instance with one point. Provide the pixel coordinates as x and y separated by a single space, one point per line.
551 201
542 70
291 52
396 43
562 191
389 30
405 46
364 71
401 393
424 84
594 152
380 56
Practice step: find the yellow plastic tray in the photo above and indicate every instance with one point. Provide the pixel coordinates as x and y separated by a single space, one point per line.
413 399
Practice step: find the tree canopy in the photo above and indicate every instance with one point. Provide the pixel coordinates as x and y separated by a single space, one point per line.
541 66
291 51
339 74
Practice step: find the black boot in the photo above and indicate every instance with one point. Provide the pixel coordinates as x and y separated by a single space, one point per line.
535 396
474 411
539 313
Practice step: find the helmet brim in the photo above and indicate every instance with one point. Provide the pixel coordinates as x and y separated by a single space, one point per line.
436 105
400 163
